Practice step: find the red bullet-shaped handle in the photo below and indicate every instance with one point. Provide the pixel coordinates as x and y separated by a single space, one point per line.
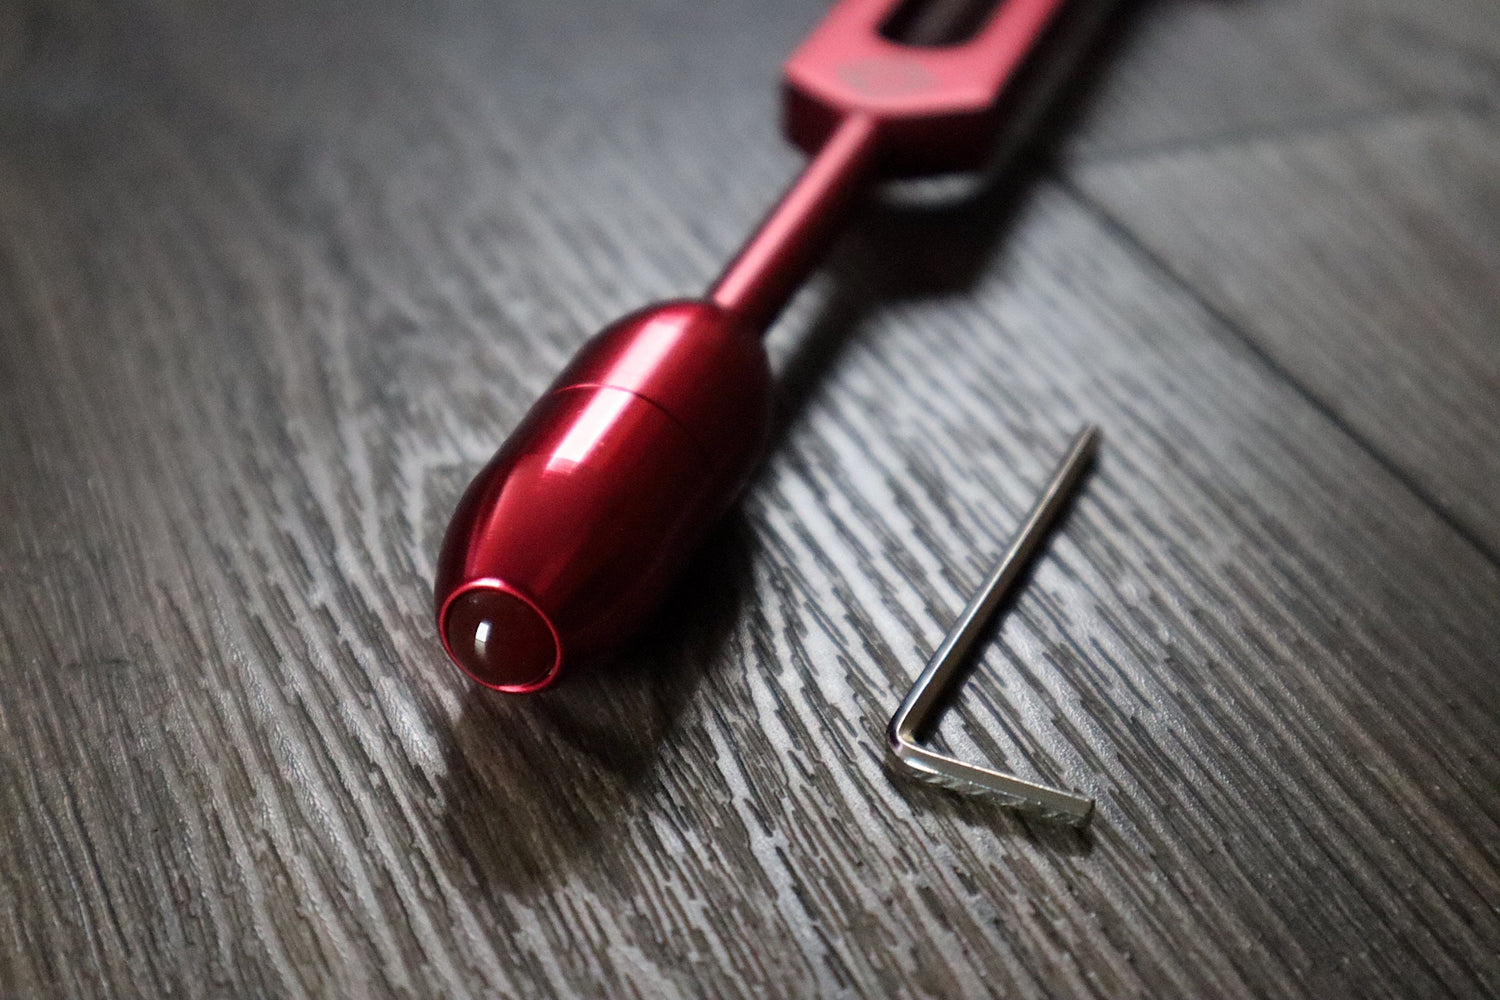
567 540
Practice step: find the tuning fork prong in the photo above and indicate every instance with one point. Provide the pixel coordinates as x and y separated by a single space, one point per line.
944 669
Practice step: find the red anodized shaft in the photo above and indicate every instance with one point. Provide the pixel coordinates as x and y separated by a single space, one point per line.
565 542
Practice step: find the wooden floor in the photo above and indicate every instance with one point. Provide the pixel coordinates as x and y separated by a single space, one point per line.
277 276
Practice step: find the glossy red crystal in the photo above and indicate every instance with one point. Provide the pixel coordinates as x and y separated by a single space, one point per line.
581 522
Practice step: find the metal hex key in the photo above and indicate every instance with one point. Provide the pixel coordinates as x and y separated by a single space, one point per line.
945 668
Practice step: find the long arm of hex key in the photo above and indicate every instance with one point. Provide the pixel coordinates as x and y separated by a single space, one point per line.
944 669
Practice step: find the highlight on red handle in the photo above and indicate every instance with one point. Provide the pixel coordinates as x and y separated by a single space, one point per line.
566 541
568 538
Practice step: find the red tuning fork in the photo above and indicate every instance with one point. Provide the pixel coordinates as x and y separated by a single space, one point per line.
568 538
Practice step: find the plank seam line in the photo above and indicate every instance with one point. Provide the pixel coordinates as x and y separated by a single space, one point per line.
1474 107
1121 232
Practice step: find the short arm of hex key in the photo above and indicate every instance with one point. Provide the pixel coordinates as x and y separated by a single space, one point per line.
944 669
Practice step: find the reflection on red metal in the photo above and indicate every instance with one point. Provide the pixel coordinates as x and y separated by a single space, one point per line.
566 541
581 521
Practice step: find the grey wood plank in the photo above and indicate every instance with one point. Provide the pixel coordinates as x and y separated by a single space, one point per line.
274 280
1204 70
1366 263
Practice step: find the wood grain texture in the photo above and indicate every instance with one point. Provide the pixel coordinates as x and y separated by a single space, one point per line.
1403 344
1194 71
276 278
